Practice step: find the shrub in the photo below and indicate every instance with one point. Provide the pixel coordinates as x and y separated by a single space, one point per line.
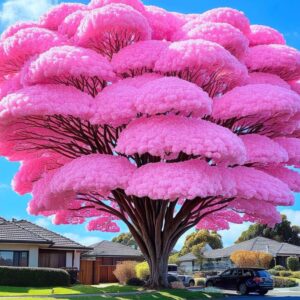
177 285
124 271
296 275
142 270
243 258
199 274
281 282
135 281
33 277
73 272
200 281
279 268
293 263
274 272
285 273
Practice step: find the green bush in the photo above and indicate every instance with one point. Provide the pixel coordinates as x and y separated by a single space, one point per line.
293 263
281 282
279 268
135 282
285 273
274 272
295 275
142 270
200 281
33 277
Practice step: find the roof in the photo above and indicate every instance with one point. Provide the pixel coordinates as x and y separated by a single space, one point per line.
257 244
107 248
23 231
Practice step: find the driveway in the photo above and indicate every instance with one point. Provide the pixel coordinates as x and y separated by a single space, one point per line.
278 294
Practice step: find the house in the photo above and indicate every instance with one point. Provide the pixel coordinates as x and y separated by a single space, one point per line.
97 265
25 244
219 259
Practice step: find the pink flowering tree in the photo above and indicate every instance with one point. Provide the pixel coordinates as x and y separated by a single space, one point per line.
123 112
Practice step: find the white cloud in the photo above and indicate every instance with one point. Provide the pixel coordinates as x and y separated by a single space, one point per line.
43 222
84 240
22 10
231 235
292 215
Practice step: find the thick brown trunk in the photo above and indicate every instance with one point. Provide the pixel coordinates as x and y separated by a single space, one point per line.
158 272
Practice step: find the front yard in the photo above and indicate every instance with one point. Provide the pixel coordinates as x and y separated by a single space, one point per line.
103 291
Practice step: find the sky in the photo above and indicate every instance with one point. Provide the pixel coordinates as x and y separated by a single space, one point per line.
282 15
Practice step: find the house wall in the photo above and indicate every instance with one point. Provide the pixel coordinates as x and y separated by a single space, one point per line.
33 250
77 260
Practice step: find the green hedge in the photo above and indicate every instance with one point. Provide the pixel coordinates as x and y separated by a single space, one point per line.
274 272
285 273
296 274
33 277
293 263
279 268
281 282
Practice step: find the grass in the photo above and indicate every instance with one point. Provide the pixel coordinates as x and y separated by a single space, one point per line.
75 289
102 290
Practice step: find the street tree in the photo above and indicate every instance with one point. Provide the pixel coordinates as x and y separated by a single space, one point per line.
125 239
123 112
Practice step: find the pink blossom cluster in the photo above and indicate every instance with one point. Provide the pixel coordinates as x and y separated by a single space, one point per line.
117 98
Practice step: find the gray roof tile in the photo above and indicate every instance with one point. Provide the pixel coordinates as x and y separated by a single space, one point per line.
107 248
26 232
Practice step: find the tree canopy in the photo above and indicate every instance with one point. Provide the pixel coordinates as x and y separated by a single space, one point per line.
121 112
195 241
282 232
125 238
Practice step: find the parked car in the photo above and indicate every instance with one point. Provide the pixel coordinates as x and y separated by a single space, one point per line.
244 280
188 281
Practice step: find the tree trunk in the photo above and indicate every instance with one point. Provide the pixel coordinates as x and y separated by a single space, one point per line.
158 272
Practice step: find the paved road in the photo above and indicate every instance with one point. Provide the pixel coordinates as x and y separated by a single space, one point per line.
276 294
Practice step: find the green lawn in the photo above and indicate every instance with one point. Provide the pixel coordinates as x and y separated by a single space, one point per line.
75 289
102 290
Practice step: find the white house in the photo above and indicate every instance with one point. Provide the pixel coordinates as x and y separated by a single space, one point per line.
23 243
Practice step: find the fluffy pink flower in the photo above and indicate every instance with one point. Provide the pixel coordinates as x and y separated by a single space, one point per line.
280 60
54 17
256 211
82 175
45 100
10 85
79 67
11 30
184 180
70 24
227 15
288 176
163 23
18 48
263 150
165 135
255 184
103 224
136 4
67 217
264 35
223 34
138 58
111 28
219 220
292 146
32 170
205 63
262 78
115 105
256 102
295 85
172 95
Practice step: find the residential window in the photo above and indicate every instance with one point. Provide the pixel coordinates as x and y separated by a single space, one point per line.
14 258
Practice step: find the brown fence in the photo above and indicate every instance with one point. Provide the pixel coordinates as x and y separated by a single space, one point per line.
100 270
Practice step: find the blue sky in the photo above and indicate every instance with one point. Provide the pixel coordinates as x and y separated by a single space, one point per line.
282 15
